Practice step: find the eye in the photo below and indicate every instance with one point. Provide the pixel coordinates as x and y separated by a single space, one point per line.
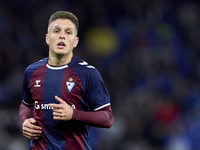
56 31
68 32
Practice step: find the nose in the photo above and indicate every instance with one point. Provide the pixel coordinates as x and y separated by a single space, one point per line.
62 36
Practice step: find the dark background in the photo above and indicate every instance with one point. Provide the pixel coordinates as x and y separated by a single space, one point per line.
147 51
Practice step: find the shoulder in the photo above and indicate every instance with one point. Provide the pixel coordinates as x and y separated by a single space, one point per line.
31 68
81 65
84 69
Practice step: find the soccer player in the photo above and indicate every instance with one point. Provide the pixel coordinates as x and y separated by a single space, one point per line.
63 95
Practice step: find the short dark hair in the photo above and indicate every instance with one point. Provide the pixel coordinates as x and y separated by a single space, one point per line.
64 15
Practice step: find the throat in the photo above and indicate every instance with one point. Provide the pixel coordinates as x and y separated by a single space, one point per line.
59 60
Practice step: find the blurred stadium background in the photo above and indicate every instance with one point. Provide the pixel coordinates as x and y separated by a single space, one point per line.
148 53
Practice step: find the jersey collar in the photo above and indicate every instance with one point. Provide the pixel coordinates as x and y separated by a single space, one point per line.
56 68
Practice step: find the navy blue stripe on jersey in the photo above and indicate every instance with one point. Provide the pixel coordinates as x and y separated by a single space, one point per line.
52 87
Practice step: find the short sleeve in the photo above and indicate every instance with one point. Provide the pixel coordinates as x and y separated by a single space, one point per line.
27 97
97 93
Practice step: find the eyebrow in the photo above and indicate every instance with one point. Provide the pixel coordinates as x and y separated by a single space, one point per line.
57 26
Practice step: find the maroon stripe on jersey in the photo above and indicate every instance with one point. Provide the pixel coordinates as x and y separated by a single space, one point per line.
71 93
36 87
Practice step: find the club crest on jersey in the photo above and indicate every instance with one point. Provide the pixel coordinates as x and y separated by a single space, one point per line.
70 84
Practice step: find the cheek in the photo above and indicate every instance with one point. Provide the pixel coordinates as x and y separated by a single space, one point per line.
51 42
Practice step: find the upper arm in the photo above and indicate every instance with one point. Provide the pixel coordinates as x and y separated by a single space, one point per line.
27 97
97 94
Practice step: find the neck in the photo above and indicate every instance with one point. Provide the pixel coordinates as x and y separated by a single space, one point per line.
60 60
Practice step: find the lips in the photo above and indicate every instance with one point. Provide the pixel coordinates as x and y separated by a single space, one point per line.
61 45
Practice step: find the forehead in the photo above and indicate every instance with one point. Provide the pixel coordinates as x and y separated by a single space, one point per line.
62 23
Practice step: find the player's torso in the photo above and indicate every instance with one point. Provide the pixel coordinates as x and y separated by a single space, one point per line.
45 83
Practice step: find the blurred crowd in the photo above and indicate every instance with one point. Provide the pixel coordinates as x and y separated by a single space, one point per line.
147 51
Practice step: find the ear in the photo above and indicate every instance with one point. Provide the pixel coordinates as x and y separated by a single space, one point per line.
47 39
76 41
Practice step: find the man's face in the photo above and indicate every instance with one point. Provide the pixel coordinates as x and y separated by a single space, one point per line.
61 37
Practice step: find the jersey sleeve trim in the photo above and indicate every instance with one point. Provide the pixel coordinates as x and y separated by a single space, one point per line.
102 106
27 103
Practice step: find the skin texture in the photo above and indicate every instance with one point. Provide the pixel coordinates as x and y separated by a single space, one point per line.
61 111
30 130
64 31
62 39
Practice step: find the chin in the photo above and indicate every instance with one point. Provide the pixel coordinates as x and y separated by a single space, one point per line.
60 52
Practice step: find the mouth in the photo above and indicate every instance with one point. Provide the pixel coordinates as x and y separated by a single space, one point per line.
61 45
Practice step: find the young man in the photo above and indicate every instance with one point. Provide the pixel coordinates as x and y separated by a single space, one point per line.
62 94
